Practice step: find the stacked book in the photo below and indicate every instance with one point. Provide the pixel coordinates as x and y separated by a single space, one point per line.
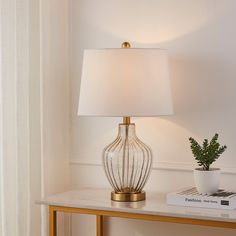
222 199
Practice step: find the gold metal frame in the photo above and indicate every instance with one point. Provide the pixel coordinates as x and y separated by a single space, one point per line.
100 214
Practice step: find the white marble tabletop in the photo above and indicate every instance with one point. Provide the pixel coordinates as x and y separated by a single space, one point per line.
155 204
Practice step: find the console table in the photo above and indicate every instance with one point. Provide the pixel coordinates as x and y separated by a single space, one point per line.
97 202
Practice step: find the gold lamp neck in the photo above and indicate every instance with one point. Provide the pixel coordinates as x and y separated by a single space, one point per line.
126 120
125 45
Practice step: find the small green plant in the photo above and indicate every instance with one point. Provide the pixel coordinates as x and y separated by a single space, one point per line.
208 153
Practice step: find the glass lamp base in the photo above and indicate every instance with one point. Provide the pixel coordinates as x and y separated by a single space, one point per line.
127 163
128 197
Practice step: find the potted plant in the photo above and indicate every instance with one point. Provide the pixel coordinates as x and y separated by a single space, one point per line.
206 178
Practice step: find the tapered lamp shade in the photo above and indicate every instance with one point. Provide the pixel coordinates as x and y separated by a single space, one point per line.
125 82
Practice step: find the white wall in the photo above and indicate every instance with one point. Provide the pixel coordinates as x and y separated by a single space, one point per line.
55 93
55 102
200 37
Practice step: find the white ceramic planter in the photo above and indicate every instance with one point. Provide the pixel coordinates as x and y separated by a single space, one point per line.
207 182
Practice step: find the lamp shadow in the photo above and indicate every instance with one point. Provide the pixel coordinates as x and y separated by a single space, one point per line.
202 71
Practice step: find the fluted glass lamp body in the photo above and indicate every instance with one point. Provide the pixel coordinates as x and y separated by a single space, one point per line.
127 162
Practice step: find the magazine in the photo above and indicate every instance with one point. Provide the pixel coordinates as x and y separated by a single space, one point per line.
222 199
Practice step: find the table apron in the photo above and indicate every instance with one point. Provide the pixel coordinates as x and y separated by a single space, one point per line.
147 217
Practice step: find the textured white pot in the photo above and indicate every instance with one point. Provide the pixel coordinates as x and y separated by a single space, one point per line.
207 182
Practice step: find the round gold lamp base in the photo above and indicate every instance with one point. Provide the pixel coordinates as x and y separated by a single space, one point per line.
128 197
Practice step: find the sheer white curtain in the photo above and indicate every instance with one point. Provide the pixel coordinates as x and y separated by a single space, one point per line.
18 141
34 112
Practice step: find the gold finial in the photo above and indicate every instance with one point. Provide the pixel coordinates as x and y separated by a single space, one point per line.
125 45
126 120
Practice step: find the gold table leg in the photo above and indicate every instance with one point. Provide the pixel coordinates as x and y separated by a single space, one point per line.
99 225
52 221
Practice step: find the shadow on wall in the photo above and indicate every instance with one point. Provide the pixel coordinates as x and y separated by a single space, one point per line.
158 22
202 71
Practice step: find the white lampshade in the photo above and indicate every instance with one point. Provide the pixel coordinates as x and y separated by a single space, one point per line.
125 82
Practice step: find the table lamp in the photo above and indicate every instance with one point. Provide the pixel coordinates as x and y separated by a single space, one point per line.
126 82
